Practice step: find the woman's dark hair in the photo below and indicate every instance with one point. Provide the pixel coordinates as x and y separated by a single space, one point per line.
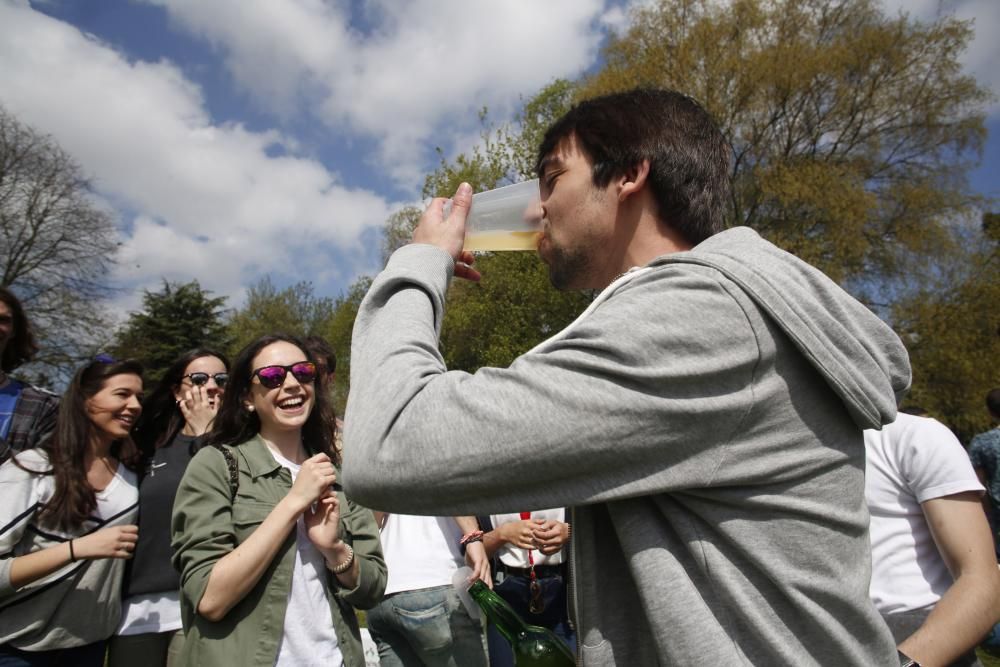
161 419
74 499
234 424
22 347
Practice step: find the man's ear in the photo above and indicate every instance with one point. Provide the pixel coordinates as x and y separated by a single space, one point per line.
633 180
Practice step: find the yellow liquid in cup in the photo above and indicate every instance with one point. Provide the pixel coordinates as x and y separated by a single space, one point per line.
502 241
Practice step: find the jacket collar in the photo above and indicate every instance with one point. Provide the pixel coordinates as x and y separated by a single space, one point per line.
258 457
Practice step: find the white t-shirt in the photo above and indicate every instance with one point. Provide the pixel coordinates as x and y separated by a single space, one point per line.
420 551
512 556
911 461
308 637
153 612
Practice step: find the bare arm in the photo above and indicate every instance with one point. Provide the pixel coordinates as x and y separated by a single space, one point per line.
971 606
113 542
475 552
519 533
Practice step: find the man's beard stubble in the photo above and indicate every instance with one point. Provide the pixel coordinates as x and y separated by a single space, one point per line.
565 268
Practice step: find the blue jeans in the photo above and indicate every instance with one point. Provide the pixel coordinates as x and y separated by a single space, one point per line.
88 655
555 616
428 627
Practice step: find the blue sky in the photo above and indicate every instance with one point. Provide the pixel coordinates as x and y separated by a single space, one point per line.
234 139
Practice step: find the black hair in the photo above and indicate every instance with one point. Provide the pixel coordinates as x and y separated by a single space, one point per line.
322 353
689 157
993 402
22 347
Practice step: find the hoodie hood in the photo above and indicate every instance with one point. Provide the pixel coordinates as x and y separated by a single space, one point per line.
857 354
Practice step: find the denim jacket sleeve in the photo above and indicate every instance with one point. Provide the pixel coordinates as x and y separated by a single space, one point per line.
360 531
201 526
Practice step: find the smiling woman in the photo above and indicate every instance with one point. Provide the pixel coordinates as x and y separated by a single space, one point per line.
67 523
175 417
262 531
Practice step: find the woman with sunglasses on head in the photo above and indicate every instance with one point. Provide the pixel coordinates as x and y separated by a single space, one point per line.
273 557
175 416
67 523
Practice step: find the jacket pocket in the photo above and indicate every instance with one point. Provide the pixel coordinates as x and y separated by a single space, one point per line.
247 515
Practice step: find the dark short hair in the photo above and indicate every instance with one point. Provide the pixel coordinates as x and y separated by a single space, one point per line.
322 352
689 158
22 347
993 402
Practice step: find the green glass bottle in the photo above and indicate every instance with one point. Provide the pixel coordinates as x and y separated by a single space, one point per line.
533 646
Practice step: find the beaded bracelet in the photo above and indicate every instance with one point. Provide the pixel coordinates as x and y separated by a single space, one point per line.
341 568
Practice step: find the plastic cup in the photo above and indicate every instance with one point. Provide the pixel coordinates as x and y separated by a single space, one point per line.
507 218
460 580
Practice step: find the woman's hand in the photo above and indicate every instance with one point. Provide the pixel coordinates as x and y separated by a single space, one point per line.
313 482
323 522
113 542
199 409
478 562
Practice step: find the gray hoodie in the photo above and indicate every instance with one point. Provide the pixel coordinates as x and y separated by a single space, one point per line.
704 418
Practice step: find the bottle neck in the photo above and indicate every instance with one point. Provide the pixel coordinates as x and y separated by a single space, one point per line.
507 621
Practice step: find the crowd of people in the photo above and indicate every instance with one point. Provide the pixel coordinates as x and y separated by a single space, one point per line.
706 467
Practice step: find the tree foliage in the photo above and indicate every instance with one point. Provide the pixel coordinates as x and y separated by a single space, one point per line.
172 321
338 334
952 331
853 130
853 133
514 307
56 243
294 310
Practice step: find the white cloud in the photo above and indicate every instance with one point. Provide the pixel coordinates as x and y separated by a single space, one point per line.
422 71
983 53
210 201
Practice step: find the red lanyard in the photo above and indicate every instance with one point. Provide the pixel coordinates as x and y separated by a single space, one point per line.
525 516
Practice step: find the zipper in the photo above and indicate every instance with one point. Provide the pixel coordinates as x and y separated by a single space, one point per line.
574 612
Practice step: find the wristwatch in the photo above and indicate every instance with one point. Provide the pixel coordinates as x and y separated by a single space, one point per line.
906 661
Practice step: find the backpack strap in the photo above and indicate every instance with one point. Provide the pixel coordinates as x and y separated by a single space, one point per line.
234 469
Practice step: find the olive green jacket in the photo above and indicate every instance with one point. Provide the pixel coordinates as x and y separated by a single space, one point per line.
207 524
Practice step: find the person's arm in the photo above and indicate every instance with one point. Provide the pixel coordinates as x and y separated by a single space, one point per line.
971 606
358 528
216 573
586 417
520 533
551 536
475 552
111 542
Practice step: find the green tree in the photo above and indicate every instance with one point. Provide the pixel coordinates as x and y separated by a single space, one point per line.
514 307
853 130
172 321
952 331
337 332
294 310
